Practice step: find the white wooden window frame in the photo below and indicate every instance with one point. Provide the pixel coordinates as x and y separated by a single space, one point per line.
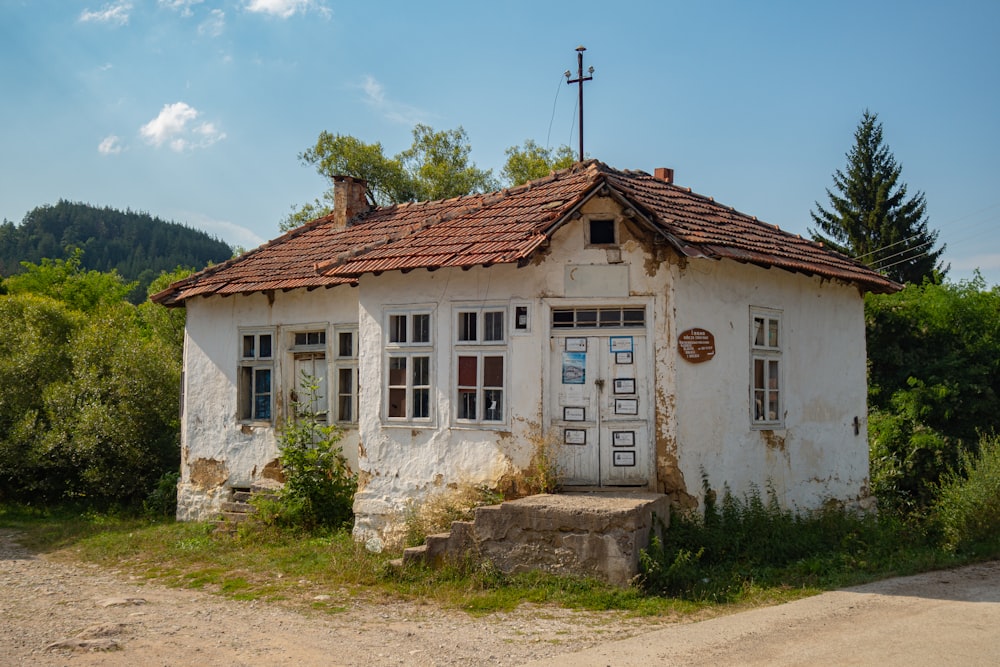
248 366
767 387
480 347
412 353
525 308
481 313
349 363
480 391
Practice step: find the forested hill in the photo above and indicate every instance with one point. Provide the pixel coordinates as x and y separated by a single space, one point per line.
137 245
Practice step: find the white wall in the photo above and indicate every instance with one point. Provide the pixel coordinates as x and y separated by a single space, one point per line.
402 465
816 456
217 450
702 415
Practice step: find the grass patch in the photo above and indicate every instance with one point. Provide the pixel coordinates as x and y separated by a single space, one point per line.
320 571
746 549
741 553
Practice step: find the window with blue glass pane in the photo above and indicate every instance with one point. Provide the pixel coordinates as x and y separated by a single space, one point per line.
262 394
254 386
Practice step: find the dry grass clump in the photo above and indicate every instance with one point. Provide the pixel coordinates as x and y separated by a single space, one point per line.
437 512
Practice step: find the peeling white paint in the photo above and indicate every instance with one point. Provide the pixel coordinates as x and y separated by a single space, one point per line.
699 415
210 427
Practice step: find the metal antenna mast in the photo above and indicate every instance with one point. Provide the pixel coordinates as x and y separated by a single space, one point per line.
580 78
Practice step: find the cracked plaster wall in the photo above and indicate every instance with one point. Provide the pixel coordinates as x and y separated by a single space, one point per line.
817 456
212 435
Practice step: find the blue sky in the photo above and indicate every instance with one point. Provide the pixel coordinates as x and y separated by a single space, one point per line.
196 110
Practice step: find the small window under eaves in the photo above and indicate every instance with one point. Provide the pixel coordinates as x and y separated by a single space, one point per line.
602 231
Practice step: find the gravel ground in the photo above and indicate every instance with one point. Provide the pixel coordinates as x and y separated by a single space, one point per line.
58 613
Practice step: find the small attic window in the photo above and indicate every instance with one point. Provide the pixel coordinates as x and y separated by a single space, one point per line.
602 231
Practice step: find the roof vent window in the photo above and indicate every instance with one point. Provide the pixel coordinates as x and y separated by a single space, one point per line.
602 232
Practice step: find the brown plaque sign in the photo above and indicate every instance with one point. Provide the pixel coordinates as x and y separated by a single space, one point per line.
696 345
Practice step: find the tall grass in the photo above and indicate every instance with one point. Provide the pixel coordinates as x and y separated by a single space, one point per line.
741 544
967 509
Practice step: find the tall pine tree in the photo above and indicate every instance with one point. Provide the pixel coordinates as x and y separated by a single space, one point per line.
871 218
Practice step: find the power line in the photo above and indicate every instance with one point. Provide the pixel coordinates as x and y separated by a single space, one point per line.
548 135
883 269
921 251
861 258
919 246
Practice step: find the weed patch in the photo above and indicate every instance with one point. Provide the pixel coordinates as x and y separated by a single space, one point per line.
967 509
746 548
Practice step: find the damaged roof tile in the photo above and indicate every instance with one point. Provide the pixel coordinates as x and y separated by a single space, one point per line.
508 226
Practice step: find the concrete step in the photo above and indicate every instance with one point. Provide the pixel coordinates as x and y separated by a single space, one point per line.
415 555
238 508
598 534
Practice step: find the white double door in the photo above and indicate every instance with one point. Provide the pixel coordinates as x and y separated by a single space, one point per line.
600 408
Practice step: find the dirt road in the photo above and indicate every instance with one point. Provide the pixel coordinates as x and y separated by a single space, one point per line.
939 618
56 613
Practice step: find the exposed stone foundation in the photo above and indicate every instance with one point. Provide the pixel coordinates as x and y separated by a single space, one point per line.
594 534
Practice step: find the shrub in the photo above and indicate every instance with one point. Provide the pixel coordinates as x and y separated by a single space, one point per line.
162 501
319 485
967 509
906 459
934 385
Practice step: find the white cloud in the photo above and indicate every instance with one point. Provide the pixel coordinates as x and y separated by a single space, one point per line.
114 12
374 91
182 6
230 232
214 25
374 96
175 127
286 8
110 145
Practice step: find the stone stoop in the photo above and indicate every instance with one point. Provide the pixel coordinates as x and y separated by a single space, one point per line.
596 534
239 509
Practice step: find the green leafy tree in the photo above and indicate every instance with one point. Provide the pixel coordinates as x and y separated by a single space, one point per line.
66 281
34 353
112 425
870 216
439 165
934 384
167 324
436 166
88 388
338 154
531 161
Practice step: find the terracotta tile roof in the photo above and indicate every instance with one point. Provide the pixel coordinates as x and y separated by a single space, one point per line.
700 227
508 226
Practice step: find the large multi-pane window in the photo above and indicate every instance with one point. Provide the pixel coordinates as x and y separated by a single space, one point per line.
480 351
765 359
408 366
256 375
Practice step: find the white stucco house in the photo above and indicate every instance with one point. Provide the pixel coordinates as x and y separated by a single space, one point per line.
653 334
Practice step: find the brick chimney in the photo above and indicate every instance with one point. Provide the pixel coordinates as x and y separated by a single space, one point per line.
349 199
664 174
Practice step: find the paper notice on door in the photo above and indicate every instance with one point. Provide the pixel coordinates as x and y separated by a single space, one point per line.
574 368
